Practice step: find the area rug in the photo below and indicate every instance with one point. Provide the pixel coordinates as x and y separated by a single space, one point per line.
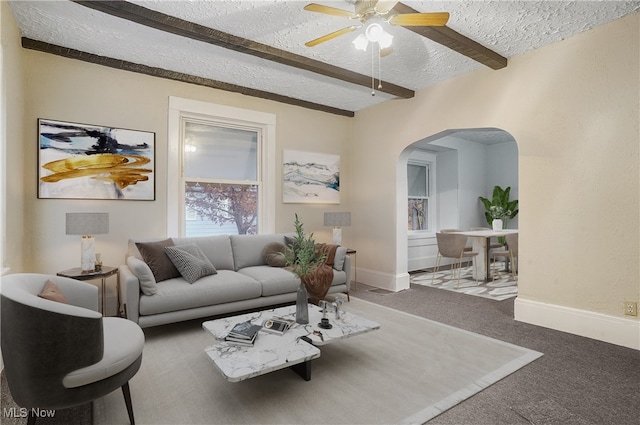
409 371
502 288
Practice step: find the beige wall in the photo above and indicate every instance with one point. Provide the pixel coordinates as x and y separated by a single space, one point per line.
11 137
68 90
573 109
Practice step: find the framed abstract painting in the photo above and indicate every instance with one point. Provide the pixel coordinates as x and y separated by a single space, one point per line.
83 161
311 178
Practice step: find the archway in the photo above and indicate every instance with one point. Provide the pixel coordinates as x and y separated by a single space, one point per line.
466 163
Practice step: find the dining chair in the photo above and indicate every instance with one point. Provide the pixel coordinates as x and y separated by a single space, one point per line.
451 245
467 247
511 253
58 350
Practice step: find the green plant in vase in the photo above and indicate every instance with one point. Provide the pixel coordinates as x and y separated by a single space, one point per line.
500 207
301 256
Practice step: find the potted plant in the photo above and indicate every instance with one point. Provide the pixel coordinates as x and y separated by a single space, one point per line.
500 209
302 258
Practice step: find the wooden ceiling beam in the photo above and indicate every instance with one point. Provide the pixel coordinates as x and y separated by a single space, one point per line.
160 21
42 46
456 41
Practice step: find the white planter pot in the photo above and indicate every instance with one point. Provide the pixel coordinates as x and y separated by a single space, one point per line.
497 225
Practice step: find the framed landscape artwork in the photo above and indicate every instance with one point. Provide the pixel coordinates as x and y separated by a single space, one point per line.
82 161
311 178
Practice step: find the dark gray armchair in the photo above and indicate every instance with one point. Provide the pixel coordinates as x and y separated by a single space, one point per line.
60 355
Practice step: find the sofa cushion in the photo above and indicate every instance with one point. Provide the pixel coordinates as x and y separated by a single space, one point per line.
273 254
132 249
274 280
156 258
339 277
190 261
216 248
247 249
223 287
338 260
51 291
144 274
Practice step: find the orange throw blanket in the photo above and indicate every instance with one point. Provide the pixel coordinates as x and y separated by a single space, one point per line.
319 281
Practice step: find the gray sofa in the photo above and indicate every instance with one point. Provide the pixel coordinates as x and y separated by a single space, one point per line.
243 281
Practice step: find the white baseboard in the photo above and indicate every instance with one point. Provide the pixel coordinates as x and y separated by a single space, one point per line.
611 329
388 281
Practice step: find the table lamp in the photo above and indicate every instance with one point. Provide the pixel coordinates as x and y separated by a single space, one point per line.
337 220
87 225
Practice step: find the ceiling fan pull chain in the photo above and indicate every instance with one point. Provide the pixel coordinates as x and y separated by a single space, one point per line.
379 67
373 76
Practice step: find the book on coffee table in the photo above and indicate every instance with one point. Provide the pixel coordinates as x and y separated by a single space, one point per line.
243 333
277 325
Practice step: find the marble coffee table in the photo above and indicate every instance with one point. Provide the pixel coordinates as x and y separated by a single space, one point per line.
295 349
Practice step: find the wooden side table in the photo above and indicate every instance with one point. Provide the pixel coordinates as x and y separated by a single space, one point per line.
104 273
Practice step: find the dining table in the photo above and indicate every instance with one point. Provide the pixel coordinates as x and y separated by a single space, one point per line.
480 244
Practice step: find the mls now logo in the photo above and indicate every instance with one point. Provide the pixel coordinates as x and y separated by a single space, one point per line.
23 412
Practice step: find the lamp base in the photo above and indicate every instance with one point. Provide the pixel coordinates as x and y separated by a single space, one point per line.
88 253
337 235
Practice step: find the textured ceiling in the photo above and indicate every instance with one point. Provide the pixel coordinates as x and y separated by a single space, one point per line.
509 28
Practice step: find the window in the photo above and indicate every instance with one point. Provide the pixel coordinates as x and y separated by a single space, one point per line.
419 206
220 178
221 170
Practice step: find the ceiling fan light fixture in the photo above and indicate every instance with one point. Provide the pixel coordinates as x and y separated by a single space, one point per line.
385 40
374 32
361 42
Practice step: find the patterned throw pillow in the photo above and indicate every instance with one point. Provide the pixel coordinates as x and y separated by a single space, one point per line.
190 262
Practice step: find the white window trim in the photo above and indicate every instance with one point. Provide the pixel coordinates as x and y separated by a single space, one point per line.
428 159
266 122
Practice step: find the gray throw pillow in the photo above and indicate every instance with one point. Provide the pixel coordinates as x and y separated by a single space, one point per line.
144 275
153 254
190 262
338 260
273 254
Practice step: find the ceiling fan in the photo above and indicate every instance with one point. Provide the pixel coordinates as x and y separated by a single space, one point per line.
375 10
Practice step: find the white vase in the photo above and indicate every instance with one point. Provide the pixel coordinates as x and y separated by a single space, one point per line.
497 224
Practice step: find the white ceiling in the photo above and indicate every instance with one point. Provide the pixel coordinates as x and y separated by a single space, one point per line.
509 28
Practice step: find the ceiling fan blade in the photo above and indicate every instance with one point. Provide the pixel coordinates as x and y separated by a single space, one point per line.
383 6
314 7
331 35
438 19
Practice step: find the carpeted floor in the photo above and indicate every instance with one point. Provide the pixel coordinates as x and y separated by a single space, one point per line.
407 372
577 381
502 288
